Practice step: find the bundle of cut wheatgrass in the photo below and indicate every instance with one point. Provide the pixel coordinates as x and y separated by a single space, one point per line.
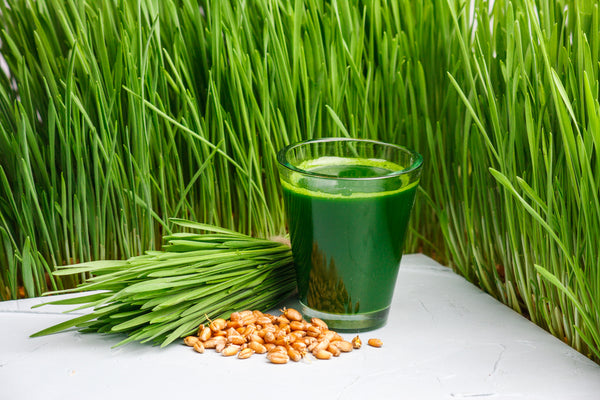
164 295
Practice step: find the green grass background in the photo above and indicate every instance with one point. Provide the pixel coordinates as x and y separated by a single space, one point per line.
118 115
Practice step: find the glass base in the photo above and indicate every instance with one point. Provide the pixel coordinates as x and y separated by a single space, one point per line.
348 322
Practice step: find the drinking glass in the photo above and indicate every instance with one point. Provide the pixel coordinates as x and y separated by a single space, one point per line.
348 203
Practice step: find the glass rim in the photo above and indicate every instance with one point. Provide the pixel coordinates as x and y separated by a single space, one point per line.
415 165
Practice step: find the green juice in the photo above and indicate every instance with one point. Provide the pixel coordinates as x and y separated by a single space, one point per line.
347 239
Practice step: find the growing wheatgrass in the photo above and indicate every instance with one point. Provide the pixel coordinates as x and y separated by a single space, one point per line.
118 116
143 111
532 98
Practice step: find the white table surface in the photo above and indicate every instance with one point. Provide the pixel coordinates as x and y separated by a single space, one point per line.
445 339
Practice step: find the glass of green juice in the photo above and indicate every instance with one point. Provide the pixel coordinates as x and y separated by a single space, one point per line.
348 203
